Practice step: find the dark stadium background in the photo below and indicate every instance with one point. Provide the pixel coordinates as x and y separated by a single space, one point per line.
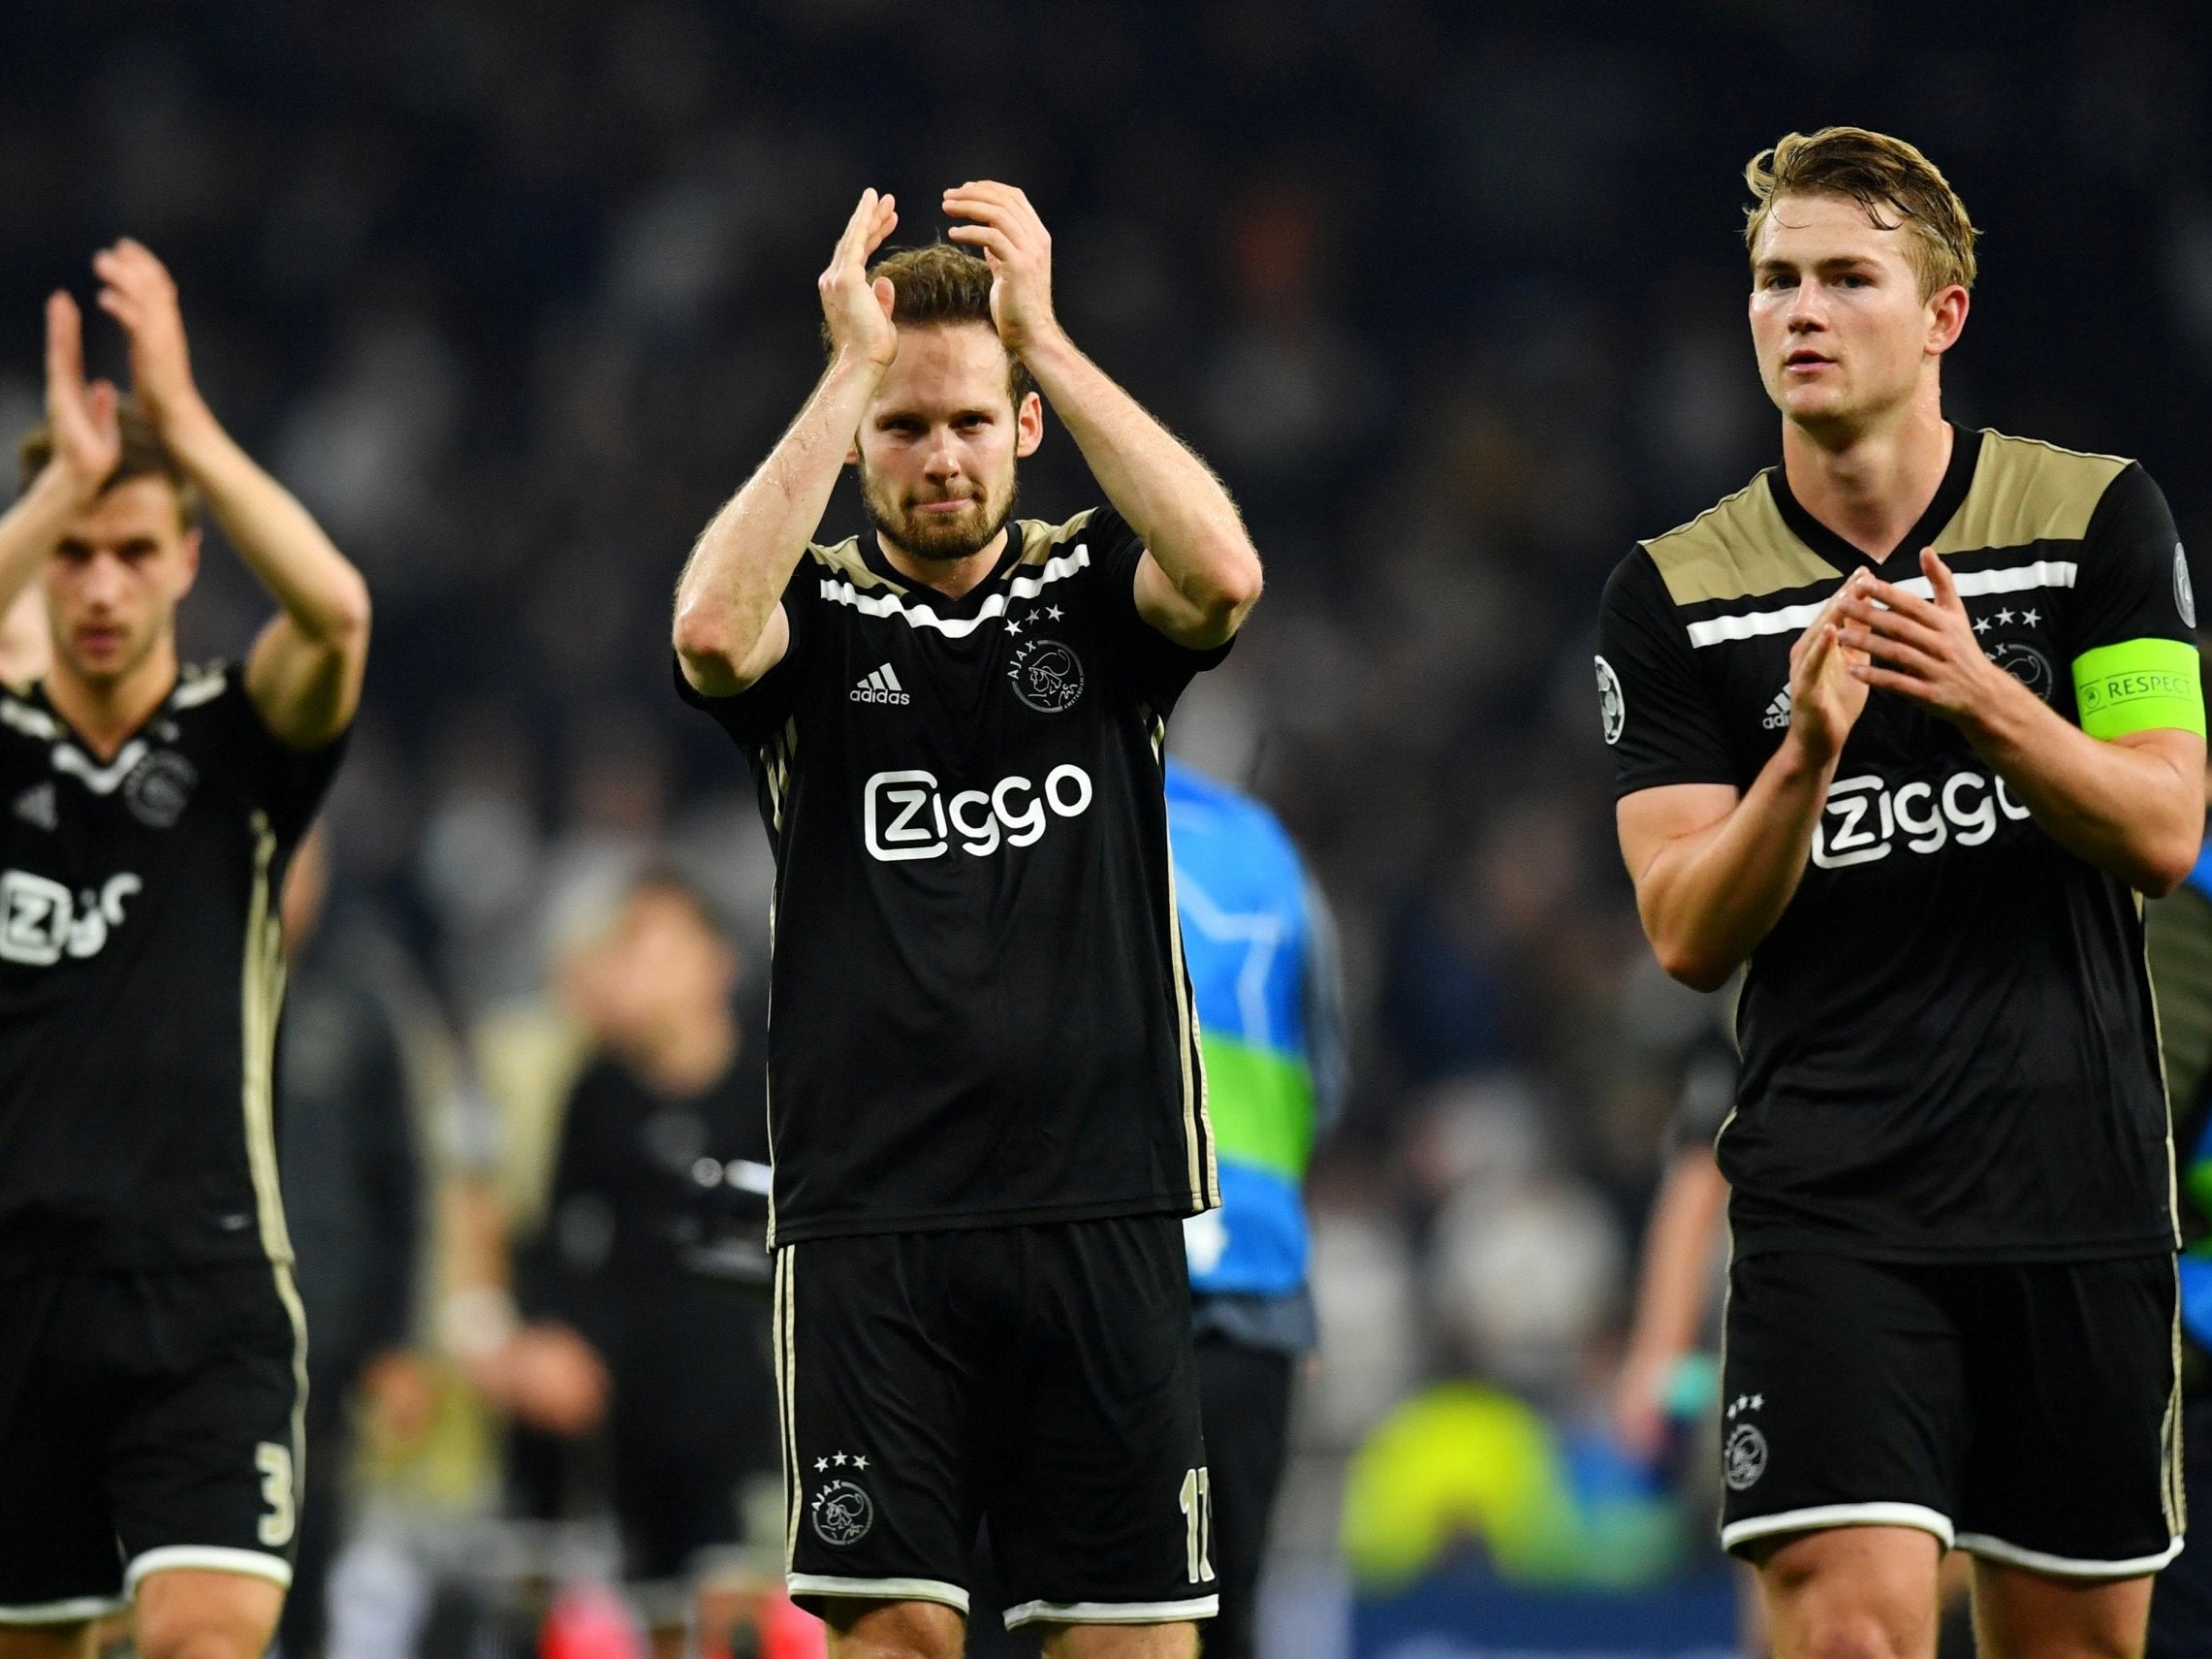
515 295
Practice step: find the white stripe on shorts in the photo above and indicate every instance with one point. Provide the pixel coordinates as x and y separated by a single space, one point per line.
1823 1517
1112 1612
878 1589
2064 1566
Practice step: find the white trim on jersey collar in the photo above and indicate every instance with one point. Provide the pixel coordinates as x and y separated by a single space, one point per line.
2013 578
30 721
919 615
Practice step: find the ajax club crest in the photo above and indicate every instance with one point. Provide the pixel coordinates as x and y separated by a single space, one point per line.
841 1512
1046 675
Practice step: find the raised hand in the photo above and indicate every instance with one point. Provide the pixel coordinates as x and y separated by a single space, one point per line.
87 444
139 293
1925 651
1019 251
1825 693
859 311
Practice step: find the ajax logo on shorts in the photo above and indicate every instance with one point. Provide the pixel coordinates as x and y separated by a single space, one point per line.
841 1510
1743 1455
906 814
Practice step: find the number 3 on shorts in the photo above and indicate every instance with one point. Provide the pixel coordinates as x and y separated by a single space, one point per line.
1198 1525
275 1462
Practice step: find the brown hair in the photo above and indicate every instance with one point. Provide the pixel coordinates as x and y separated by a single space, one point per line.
1885 175
145 456
941 285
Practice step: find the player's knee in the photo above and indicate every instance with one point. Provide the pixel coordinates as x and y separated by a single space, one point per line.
197 1641
893 1630
196 1614
1854 1634
1120 1641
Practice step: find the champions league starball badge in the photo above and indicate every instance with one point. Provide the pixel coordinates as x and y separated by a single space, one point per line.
1611 704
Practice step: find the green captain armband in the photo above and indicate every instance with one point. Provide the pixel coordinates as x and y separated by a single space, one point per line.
2139 685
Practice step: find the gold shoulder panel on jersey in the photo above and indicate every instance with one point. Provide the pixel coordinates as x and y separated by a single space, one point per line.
1040 540
845 562
2025 491
1739 548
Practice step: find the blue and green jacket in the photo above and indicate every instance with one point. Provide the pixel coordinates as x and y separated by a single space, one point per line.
1261 953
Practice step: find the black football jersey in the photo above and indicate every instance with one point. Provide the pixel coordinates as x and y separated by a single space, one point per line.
1948 1046
979 1013
140 971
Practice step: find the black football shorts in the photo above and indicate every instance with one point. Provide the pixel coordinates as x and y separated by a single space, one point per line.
148 1421
1039 1379
2028 1413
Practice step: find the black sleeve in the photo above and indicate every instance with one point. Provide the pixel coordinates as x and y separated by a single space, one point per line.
1149 665
754 714
287 783
1657 712
2134 578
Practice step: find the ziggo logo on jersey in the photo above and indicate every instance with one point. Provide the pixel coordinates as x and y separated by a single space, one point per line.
1864 815
908 816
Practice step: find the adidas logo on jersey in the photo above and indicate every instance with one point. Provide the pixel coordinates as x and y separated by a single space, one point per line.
881 687
1777 715
36 806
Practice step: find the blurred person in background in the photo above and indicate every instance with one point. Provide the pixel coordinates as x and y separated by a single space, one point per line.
652 1253
153 1350
1261 950
989 1110
2178 929
1925 840
1667 1379
349 1130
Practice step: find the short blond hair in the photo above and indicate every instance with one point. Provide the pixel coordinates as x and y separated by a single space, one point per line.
1882 175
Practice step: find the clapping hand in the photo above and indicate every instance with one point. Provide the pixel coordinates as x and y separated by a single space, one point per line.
858 311
1018 249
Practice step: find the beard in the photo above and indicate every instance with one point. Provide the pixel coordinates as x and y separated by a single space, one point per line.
933 539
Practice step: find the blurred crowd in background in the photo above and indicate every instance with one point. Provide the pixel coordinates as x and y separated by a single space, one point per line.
514 296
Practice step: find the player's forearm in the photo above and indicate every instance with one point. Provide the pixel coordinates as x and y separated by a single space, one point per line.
314 584
2131 811
1708 898
1172 499
34 527
1678 1258
743 558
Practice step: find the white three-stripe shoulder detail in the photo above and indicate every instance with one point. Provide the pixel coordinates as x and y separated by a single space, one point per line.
920 616
1971 584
